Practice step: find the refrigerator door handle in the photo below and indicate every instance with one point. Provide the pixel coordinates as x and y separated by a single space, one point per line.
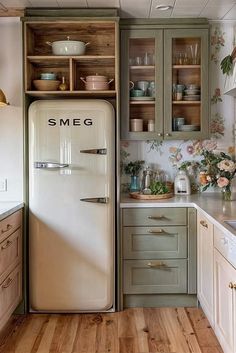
95 151
49 165
96 199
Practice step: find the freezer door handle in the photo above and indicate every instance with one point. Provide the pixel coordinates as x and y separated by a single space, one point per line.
49 165
95 151
96 199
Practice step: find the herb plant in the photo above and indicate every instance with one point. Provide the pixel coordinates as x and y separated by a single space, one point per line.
158 188
133 168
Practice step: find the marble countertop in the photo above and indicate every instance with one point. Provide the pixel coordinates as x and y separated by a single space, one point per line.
210 204
9 207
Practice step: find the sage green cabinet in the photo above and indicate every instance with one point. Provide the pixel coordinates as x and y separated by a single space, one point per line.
158 256
149 277
175 61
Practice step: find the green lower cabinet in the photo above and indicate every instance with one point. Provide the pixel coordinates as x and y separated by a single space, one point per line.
155 242
158 257
155 276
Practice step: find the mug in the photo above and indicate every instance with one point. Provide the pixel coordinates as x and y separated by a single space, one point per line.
131 85
143 85
136 125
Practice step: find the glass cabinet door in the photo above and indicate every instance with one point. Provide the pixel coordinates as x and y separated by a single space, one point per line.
141 84
186 84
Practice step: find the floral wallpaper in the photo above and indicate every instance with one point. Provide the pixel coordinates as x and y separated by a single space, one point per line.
168 156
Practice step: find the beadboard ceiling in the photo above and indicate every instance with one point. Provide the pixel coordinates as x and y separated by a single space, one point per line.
211 9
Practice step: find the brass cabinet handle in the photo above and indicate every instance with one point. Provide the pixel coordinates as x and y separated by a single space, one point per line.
9 226
231 285
7 283
158 232
157 217
159 134
168 134
157 264
234 285
204 224
6 245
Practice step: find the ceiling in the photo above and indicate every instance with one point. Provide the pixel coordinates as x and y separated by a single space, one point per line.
211 9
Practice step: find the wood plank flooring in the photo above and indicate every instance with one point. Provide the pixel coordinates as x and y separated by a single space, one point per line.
136 330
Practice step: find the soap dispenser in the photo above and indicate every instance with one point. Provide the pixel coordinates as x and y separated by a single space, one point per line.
182 184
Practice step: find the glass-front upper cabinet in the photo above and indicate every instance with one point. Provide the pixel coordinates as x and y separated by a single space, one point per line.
141 84
186 84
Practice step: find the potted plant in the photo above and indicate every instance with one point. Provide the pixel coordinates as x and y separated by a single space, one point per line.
219 170
133 169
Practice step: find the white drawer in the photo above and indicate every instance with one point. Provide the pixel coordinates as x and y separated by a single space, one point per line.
225 245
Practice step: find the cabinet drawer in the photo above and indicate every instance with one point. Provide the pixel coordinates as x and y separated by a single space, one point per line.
10 294
154 242
154 216
152 276
10 253
9 224
221 241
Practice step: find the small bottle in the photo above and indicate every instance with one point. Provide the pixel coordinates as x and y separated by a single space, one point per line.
63 86
182 184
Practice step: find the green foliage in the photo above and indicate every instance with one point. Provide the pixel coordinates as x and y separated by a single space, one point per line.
157 188
133 168
227 64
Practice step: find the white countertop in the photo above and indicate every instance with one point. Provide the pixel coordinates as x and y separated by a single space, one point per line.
210 204
9 207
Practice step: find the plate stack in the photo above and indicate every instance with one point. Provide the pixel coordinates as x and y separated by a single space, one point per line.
192 93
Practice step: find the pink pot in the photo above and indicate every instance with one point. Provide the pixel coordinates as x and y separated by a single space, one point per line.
96 83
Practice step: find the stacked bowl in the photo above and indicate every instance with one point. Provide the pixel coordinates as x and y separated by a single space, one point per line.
47 82
192 93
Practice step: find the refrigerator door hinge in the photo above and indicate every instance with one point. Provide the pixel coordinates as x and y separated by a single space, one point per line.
96 199
95 151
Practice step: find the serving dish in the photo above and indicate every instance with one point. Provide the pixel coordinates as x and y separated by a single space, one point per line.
46 85
142 98
68 47
189 127
139 196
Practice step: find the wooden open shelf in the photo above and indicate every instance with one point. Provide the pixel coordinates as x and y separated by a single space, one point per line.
186 102
186 66
142 102
142 67
73 93
101 55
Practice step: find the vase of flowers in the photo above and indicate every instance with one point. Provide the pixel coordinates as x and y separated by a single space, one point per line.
133 169
218 170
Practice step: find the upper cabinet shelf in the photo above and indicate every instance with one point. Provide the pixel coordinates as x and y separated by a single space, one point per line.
164 78
100 57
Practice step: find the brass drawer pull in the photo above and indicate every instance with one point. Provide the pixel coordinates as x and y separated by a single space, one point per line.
157 217
7 283
234 285
204 224
231 285
9 226
158 264
158 232
6 245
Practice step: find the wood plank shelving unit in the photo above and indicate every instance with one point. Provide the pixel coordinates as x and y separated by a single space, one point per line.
101 56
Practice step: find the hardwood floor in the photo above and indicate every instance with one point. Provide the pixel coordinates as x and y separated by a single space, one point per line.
136 330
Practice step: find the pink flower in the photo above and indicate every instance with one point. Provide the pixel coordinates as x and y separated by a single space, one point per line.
222 181
217 92
190 149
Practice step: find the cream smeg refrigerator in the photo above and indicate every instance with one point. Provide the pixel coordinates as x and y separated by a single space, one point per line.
71 205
